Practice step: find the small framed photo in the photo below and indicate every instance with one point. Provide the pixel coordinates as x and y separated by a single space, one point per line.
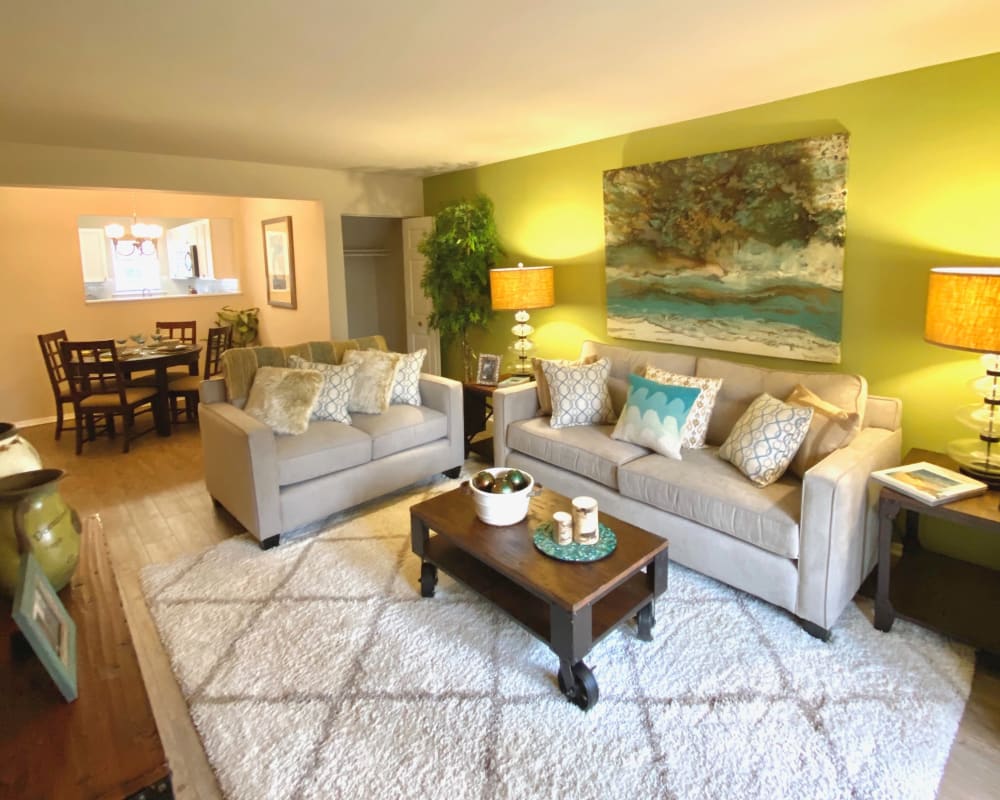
46 625
279 262
929 483
488 372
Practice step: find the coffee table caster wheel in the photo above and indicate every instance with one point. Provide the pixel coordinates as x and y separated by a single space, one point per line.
583 692
428 579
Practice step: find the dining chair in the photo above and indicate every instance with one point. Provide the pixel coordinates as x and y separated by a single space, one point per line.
187 387
98 386
186 332
49 342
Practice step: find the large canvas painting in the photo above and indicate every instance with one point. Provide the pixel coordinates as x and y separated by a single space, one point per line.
740 251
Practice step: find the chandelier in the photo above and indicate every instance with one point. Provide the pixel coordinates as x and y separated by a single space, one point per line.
141 238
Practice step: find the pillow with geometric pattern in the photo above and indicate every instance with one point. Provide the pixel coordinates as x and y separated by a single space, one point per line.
579 393
406 387
334 394
696 427
764 440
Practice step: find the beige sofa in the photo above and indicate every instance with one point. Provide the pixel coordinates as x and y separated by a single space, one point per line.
275 484
804 545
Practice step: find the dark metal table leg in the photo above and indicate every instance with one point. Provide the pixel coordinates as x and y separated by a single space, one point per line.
645 620
888 509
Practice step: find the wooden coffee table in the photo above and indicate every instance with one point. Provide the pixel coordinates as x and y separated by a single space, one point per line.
569 606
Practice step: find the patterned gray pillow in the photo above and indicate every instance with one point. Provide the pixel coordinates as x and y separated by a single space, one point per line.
579 393
696 426
372 388
283 398
335 392
406 388
764 440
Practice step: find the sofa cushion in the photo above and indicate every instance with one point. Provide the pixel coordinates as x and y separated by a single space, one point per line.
579 393
654 415
283 399
588 450
373 384
239 364
832 427
406 387
705 489
401 427
696 426
334 394
743 383
764 440
325 447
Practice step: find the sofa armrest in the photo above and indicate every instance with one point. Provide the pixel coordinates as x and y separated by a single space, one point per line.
445 395
511 404
241 466
212 390
838 530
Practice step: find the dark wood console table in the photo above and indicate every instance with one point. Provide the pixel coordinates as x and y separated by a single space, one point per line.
477 405
951 596
104 744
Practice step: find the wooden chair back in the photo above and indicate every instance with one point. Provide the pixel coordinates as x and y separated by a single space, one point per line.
219 341
92 367
186 332
49 342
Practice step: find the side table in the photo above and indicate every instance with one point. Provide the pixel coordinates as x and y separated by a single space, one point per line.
105 743
951 596
477 405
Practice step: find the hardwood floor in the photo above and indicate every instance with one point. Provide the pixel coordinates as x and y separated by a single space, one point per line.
155 508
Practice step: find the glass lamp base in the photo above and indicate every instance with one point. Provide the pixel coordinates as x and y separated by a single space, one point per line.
977 460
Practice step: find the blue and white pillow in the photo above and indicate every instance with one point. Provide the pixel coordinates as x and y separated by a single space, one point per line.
766 438
335 391
654 415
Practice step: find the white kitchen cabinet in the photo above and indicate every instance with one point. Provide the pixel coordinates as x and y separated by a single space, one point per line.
93 255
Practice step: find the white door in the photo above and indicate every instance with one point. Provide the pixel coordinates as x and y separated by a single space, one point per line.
418 305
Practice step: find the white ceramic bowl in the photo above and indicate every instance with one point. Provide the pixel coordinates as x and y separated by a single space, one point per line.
502 509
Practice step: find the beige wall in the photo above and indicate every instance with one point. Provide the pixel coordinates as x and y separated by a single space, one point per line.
24 392
310 319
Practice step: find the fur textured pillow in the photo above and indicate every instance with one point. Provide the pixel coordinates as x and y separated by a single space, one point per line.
335 392
283 398
832 427
372 388
696 427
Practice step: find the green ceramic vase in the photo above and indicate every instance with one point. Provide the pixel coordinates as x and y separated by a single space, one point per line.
34 515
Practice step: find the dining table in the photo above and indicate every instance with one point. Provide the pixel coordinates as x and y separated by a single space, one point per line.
159 359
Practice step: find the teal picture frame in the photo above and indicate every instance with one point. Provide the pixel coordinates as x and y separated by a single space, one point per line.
47 626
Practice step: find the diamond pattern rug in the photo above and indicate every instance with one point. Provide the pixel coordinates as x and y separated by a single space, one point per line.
316 670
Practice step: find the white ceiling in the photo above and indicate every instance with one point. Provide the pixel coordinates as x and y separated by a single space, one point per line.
430 86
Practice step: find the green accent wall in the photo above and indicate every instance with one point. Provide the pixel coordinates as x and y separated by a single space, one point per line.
923 190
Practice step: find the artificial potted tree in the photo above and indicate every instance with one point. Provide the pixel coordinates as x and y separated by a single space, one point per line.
460 251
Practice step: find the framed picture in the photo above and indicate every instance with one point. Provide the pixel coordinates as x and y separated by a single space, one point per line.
46 625
929 483
488 372
279 262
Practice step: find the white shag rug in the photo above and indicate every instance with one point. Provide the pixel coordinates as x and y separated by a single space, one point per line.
316 670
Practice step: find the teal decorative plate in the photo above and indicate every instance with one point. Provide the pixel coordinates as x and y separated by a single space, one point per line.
605 546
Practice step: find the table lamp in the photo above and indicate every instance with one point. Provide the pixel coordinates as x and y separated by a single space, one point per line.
518 289
963 312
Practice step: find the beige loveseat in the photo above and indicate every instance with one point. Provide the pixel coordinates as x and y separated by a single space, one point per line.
274 484
805 545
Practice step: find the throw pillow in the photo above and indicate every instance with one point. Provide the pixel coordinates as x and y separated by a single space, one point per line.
542 384
696 427
373 383
832 427
654 415
283 398
406 387
334 394
579 393
764 440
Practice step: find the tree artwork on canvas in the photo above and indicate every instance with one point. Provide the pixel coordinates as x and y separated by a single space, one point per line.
740 251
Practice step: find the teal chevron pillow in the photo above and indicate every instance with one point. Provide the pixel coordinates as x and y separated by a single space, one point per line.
654 415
